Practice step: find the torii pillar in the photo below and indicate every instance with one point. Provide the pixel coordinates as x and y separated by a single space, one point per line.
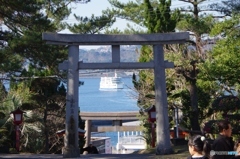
161 104
71 148
158 64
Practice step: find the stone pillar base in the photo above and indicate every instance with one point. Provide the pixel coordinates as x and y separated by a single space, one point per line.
71 152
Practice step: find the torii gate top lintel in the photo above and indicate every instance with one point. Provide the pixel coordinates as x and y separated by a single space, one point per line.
115 39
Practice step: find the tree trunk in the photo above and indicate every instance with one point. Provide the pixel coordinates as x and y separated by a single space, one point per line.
46 131
194 104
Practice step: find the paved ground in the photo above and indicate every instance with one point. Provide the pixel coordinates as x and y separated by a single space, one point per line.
98 156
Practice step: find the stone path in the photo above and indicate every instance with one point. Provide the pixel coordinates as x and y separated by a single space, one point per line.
98 156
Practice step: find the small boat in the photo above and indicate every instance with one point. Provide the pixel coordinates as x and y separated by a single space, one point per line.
111 82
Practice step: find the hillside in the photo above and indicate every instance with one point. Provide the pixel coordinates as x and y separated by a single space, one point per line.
103 54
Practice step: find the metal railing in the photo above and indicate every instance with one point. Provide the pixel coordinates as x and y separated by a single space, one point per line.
131 140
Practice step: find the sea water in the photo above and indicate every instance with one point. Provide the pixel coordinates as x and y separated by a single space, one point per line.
92 99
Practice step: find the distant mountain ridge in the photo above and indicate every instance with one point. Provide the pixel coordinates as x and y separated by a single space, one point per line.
128 53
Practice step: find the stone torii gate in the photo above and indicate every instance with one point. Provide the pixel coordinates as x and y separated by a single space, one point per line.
72 65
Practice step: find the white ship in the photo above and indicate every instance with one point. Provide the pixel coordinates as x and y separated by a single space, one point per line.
111 82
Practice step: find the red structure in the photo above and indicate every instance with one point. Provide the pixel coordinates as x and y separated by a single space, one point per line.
152 118
18 119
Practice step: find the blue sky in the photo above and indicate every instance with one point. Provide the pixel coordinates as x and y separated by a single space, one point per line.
96 6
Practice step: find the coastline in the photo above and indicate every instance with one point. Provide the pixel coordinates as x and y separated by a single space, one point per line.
100 73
